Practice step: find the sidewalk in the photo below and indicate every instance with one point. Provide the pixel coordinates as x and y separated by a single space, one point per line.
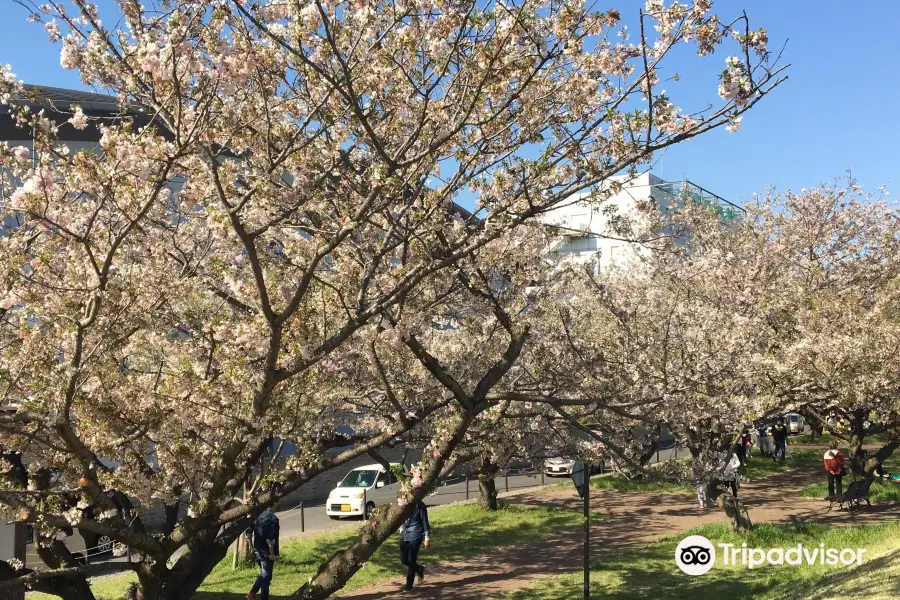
639 520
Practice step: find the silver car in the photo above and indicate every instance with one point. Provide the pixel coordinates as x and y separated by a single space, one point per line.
559 466
796 424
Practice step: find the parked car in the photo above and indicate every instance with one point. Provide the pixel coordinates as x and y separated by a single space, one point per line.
796 424
361 490
558 466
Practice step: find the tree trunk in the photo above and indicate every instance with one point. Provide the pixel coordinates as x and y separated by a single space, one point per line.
487 485
736 511
649 451
878 458
856 454
815 426
205 553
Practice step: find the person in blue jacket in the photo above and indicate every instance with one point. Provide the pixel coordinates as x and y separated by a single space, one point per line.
414 533
263 535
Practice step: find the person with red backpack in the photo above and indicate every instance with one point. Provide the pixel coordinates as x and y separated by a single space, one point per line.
834 465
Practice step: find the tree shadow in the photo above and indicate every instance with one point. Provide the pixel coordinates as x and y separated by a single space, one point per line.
451 542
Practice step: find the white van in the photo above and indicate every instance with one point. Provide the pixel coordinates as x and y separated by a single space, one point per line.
361 490
796 424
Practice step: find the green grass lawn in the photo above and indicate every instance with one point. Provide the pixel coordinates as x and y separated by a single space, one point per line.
761 466
650 484
650 571
757 468
825 438
457 532
819 440
880 491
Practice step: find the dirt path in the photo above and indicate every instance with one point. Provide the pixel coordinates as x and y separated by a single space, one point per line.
639 520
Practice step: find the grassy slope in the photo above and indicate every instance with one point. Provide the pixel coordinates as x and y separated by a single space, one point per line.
757 468
880 492
650 571
760 466
457 532
825 438
623 484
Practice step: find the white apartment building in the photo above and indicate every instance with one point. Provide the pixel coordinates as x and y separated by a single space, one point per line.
596 230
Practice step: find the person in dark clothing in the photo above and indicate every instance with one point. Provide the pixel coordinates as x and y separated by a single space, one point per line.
263 535
414 533
779 435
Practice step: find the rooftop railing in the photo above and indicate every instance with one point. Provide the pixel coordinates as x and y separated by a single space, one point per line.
688 191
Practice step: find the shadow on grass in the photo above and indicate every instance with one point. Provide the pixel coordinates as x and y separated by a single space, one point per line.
763 466
866 581
650 572
466 533
881 491
645 573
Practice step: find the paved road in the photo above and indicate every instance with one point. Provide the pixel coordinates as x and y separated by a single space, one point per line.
315 519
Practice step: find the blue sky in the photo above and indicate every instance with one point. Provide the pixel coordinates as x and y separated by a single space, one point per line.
837 111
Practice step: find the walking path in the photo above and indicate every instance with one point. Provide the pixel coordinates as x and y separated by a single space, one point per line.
639 519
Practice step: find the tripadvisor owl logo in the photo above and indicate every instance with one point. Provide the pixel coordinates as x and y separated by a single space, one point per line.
695 555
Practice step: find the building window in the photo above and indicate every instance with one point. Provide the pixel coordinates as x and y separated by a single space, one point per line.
586 244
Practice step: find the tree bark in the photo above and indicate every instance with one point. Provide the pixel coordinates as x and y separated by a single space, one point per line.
878 458
813 420
736 512
855 453
487 485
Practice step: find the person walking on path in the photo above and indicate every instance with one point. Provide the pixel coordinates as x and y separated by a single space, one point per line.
263 535
834 465
779 434
414 533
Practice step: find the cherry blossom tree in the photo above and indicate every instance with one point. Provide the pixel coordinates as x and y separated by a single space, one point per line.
837 334
215 279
